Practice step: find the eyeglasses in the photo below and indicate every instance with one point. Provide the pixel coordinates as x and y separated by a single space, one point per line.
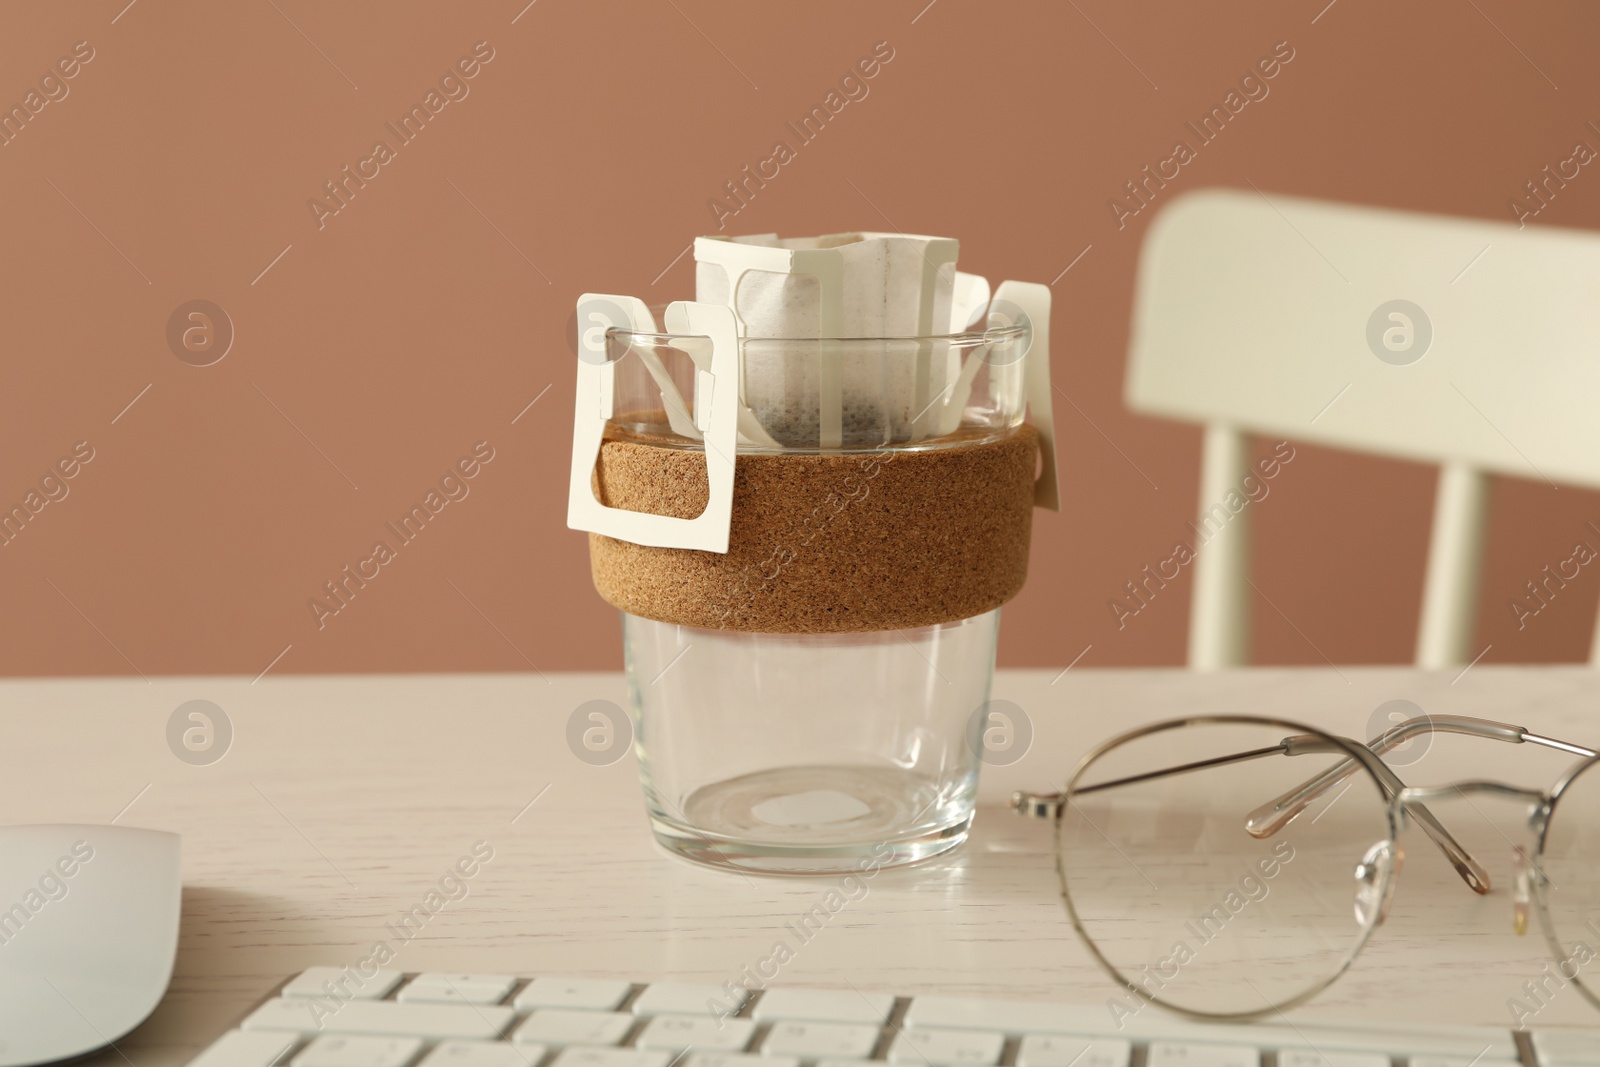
1229 867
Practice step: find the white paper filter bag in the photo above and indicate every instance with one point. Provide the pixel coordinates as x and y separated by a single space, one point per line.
795 298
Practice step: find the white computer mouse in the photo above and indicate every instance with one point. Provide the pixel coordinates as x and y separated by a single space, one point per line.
88 935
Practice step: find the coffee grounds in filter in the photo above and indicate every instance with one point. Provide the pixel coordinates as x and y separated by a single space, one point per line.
863 424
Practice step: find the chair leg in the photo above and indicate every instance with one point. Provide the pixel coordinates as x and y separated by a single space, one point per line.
1455 562
1219 618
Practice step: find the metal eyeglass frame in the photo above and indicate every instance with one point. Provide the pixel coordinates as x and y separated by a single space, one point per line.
1379 866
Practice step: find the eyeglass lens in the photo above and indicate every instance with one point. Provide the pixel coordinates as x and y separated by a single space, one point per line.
1571 890
1180 899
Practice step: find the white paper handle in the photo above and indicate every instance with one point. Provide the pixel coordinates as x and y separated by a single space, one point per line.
708 531
1034 301
969 295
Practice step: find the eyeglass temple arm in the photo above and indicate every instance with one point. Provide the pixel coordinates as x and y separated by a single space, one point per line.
1050 805
1471 871
1276 814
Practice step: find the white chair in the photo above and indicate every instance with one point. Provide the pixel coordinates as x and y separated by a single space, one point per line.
1253 316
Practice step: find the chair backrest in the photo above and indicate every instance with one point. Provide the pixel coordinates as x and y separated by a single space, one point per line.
1472 345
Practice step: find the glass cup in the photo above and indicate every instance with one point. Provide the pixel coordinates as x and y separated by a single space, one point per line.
829 395
816 752
808 752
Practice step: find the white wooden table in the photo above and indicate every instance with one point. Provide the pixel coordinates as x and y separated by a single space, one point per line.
344 799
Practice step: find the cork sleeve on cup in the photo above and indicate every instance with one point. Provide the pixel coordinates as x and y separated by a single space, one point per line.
840 543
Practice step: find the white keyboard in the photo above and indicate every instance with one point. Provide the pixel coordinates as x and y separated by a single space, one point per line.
329 1017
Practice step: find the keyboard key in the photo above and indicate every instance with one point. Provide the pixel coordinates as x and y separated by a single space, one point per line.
1012 1016
239 1049
483 1054
1568 1048
689 998
1460 1061
701 1032
458 988
1183 1054
612 1057
1058 1050
389 1017
737 1059
358 1052
563 1026
825 1005
848 1063
818 1040
947 1048
342 983
593 994
1301 1057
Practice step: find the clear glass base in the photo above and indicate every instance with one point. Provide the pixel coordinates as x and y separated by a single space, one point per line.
809 753
817 820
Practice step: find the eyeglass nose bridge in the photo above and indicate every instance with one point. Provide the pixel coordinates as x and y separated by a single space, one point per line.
1526 875
1427 794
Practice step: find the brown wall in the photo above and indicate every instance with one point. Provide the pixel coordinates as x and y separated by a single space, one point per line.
426 314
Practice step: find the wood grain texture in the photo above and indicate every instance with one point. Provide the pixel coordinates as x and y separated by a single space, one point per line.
344 800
